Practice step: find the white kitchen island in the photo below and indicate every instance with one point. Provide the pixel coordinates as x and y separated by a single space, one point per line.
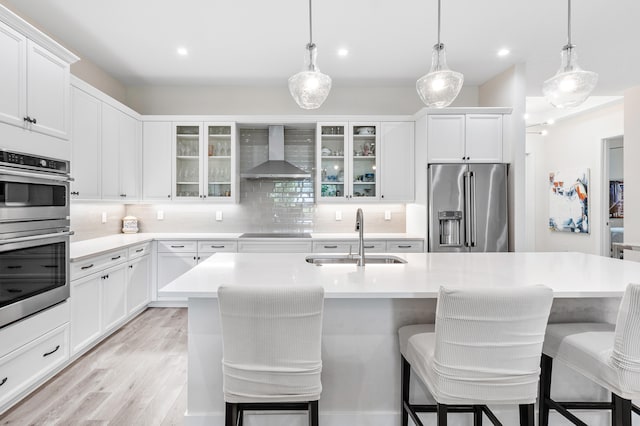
364 308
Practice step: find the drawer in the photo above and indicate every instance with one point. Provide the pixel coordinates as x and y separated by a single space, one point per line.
213 246
274 247
30 363
407 246
139 250
177 246
334 247
94 264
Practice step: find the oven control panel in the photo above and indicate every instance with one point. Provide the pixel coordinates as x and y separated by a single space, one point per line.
33 162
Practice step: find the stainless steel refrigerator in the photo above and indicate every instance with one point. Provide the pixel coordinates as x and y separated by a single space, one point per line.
468 208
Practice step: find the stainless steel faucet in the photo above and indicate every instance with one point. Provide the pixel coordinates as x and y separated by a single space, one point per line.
360 229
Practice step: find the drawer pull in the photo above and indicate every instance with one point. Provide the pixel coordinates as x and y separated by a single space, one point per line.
330 246
405 246
3 381
139 250
116 258
130 266
14 267
87 267
177 246
53 351
50 266
217 246
369 247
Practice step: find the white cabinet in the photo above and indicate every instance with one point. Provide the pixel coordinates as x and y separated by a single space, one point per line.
114 308
205 162
85 145
156 161
171 266
397 161
458 138
34 90
263 246
121 153
85 311
138 278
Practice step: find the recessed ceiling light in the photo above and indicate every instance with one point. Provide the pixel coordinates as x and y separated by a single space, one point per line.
544 132
550 121
182 51
503 52
343 52
525 116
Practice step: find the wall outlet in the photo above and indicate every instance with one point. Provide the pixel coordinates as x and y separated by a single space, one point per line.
160 215
104 217
338 214
219 216
387 215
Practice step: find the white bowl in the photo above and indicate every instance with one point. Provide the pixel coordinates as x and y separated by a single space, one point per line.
365 131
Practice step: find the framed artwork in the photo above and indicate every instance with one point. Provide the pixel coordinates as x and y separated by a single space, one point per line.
616 199
569 201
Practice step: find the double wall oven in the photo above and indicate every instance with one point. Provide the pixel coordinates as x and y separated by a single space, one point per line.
34 234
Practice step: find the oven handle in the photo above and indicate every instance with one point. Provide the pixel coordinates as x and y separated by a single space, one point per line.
20 173
36 237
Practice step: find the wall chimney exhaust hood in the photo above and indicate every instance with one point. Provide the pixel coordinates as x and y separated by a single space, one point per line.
275 167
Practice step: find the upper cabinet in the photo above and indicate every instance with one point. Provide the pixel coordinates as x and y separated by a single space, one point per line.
156 160
397 161
85 145
34 89
458 138
205 161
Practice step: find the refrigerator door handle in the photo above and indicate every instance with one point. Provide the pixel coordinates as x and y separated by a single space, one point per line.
467 212
472 207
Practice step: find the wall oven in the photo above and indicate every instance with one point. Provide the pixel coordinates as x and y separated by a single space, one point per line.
34 234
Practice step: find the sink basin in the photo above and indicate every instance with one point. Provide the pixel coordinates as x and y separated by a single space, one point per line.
346 259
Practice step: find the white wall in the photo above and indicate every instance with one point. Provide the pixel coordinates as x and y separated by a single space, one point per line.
268 100
631 169
574 143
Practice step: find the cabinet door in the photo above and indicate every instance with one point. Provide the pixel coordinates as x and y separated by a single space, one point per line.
397 162
85 146
47 91
138 274
332 150
484 138
85 311
172 265
110 149
445 138
186 152
219 164
129 157
114 290
364 165
156 161
13 102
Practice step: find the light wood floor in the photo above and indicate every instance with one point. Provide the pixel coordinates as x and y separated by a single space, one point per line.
135 377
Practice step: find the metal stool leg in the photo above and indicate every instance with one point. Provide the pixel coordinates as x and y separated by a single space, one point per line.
231 414
621 411
313 413
546 365
477 415
405 376
441 412
527 415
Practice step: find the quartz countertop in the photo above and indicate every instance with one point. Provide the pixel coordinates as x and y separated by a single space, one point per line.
570 275
82 249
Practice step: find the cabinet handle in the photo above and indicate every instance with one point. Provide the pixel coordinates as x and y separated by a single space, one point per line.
177 246
217 246
87 267
130 266
123 195
139 250
75 193
405 246
198 257
382 196
30 120
53 351
116 258
3 381
50 266
169 196
330 246
369 247
14 267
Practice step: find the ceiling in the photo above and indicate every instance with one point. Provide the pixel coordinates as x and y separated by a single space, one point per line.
253 42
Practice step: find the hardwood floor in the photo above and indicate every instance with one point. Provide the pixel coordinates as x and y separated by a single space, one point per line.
136 377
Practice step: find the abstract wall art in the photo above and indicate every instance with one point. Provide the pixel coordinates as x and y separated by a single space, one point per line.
569 201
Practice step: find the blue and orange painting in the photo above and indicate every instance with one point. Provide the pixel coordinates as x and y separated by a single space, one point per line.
569 201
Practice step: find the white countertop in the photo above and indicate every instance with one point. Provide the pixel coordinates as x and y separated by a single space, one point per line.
568 274
83 249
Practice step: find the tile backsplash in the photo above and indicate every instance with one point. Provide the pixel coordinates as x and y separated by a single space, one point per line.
265 205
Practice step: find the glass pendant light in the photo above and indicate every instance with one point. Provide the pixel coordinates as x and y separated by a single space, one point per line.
571 85
310 87
440 86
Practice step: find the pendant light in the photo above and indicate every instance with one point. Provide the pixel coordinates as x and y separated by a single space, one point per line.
440 86
571 85
310 87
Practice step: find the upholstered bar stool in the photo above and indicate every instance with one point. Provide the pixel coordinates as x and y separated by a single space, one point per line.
484 349
271 349
607 354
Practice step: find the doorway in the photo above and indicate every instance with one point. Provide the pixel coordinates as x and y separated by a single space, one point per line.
612 194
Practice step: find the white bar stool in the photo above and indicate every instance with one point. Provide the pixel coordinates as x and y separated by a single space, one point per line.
271 349
607 354
484 349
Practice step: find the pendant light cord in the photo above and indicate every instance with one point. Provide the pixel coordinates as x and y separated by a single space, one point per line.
439 22
311 25
568 24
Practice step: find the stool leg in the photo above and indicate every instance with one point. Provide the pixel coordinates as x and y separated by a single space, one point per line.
546 365
231 414
405 375
313 413
527 414
477 415
240 415
441 412
621 411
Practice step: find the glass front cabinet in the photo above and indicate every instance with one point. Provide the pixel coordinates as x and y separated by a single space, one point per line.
205 161
347 161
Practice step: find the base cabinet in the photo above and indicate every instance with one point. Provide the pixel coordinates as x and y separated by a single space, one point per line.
171 266
138 276
85 311
114 307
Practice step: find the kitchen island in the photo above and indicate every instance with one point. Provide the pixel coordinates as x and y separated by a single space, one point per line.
364 308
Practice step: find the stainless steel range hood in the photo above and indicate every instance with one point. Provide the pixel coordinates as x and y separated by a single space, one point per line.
275 167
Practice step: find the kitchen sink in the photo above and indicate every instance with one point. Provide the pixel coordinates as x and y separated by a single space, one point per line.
346 259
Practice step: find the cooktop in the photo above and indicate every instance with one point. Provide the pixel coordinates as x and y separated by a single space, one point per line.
275 235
